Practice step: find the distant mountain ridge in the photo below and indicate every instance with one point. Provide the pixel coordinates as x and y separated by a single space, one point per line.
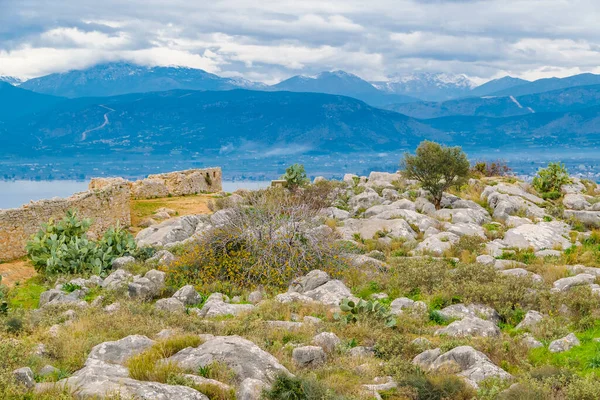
114 79
342 83
562 100
428 86
16 102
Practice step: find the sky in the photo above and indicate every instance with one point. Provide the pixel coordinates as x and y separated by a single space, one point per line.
268 41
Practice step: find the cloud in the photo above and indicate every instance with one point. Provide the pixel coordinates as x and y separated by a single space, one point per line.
274 39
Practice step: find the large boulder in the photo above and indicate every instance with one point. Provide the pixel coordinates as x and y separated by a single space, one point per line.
148 287
119 351
474 366
383 179
105 376
336 213
244 358
513 190
470 326
545 235
170 231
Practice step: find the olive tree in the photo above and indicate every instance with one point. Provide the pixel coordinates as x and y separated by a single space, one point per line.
437 167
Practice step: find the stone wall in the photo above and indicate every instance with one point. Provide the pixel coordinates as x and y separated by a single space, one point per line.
180 183
105 205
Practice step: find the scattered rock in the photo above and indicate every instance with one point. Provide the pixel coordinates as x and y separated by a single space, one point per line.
564 344
215 306
25 377
458 311
170 305
188 295
545 235
244 358
532 318
48 370
470 326
565 284
162 257
121 262
309 356
473 365
327 341
116 280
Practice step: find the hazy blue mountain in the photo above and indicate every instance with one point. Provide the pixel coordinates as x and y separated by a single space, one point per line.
213 122
563 100
16 102
428 86
497 85
342 83
549 84
11 79
121 78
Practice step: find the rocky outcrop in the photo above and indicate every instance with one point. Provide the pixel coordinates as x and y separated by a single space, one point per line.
170 231
470 326
545 235
319 287
473 365
244 358
564 344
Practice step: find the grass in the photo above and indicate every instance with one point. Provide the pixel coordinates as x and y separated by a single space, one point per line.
584 358
27 294
183 205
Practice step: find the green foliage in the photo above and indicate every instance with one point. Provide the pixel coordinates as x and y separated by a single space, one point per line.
295 176
63 247
295 388
550 179
353 310
70 287
437 167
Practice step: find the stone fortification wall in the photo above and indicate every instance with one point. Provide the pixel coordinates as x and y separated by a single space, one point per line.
180 183
105 204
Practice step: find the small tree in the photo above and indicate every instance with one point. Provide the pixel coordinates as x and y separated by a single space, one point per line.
548 181
437 168
295 176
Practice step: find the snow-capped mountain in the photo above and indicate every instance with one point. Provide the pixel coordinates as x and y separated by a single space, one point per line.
11 79
428 86
341 83
122 78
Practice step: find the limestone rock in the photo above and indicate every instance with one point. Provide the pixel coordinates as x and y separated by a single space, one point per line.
437 244
188 295
458 311
121 262
545 235
244 358
170 305
170 231
215 306
162 257
470 326
474 366
118 352
309 356
327 341
565 284
564 344
575 202
117 280
25 377
368 228
531 342
532 318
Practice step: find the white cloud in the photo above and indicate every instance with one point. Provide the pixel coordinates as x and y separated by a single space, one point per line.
274 39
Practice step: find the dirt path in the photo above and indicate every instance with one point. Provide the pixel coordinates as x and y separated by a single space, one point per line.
16 271
106 122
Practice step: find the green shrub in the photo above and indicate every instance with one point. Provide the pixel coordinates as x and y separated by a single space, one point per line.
550 179
268 241
491 168
296 388
63 247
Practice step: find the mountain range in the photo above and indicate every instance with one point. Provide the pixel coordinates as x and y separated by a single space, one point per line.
167 112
